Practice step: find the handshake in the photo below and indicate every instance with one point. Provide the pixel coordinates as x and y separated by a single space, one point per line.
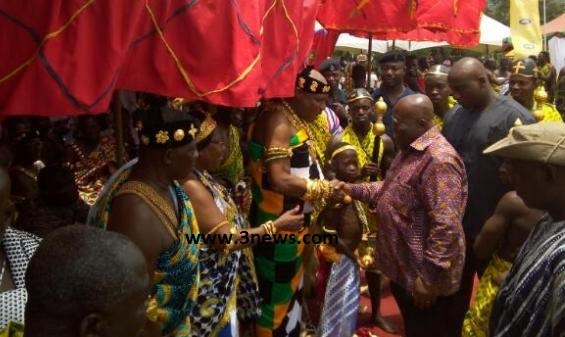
330 192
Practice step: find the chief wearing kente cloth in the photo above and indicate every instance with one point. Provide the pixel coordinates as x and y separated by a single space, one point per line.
285 168
374 153
437 89
523 85
145 202
228 295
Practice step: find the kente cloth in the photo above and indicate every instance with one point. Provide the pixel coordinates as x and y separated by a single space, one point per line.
223 277
477 318
341 303
175 280
92 169
420 205
279 266
12 330
531 302
323 128
19 247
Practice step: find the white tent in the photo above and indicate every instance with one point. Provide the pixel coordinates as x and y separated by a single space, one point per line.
492 33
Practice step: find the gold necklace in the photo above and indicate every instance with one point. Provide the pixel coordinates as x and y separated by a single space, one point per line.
298 124
361 215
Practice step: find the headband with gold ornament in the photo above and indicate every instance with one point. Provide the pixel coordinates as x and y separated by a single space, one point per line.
341 149
311 85
164 127
206 128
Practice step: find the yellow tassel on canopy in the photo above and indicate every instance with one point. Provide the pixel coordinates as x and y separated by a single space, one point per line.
358 8
412 6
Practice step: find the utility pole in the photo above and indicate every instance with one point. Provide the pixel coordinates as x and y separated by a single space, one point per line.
544 22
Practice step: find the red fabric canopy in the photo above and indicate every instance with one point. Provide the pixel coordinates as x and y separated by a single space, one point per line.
454 21
66 57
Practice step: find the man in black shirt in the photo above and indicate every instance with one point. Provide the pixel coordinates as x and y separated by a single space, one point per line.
393 71
482 119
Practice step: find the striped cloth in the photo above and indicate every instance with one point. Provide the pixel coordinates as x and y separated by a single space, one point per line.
341 304
280 268
532 300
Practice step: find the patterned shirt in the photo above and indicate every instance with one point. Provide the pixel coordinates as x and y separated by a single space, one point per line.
532 300
420 206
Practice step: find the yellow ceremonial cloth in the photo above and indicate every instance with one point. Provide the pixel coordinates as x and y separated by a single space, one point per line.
477 319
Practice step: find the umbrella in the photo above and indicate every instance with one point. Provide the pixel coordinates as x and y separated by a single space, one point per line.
492 33
68 57
554 26
456 22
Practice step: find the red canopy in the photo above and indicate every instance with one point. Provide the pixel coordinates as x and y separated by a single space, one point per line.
454 21
65 57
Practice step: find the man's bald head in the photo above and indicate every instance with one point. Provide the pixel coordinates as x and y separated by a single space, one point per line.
412 117
82 280
468 80
419 106
468 67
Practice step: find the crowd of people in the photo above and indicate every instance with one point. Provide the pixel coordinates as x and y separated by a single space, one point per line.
458 176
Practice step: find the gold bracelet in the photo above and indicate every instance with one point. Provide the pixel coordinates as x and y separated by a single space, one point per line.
317 190
270 227
267 229
275 153
218 226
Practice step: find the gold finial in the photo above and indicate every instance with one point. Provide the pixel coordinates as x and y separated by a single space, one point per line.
540 96
380 109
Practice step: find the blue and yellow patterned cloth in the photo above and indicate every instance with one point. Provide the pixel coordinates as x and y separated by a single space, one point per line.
175 280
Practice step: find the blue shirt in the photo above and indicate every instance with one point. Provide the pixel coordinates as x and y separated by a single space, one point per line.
387 119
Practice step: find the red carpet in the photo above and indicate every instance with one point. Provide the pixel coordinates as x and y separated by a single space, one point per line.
389 310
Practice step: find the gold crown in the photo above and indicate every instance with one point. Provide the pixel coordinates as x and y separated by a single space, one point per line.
206 128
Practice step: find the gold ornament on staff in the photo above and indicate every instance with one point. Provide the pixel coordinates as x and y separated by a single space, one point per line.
380 109
367 260
540 96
